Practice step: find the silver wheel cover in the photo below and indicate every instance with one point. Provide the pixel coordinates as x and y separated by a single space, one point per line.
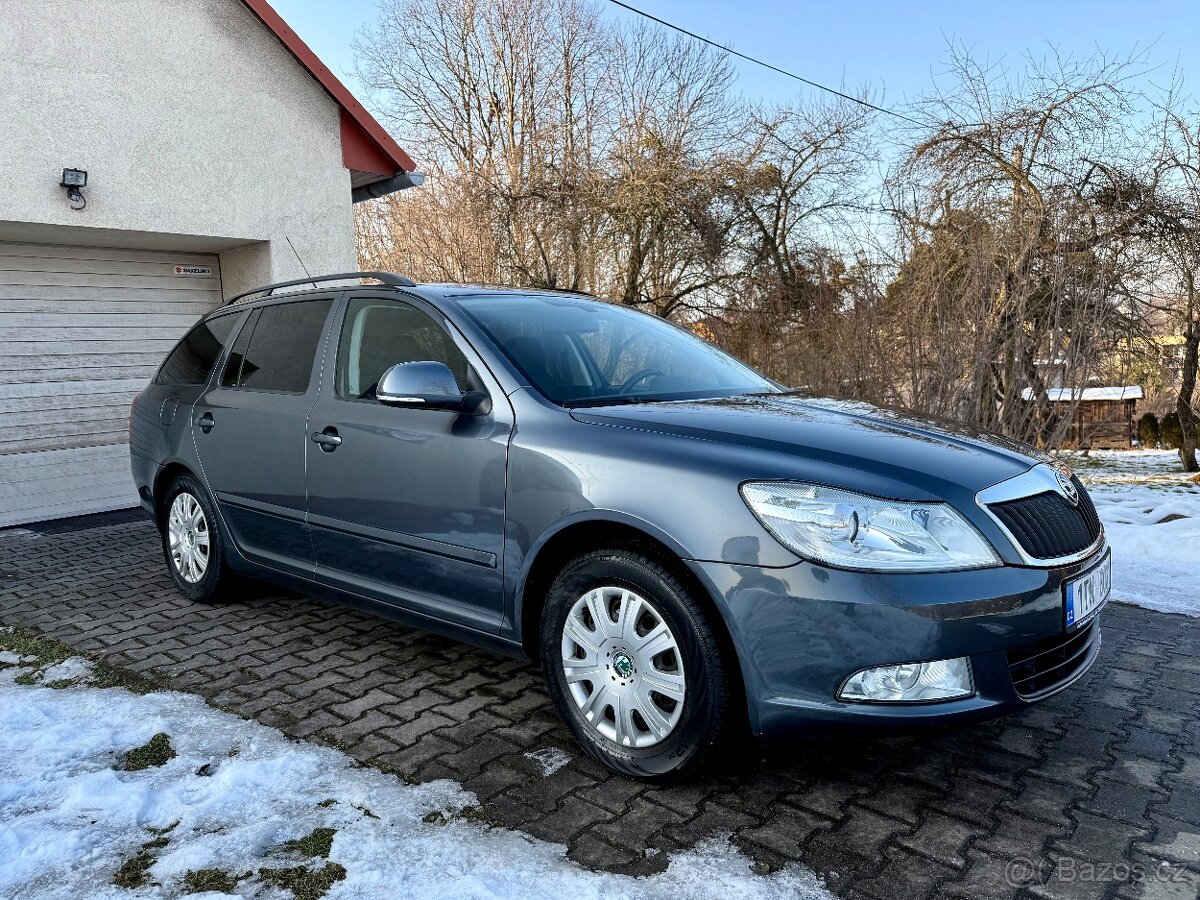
187 532
623 667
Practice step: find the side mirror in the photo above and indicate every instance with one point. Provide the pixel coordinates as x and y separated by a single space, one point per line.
428 385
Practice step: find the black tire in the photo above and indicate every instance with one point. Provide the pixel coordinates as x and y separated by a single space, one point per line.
218 581
708 707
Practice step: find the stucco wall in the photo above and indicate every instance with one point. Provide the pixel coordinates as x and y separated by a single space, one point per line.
190 118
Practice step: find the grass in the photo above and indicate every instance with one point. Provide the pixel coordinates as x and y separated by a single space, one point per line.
104 676
317 843
39 653
303 882
324 737
36 652
45 651
198 881
155 752
134 872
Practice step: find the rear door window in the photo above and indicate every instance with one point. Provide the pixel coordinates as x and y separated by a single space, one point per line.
192 360
282 345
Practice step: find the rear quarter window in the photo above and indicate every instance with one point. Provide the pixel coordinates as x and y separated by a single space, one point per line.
193 358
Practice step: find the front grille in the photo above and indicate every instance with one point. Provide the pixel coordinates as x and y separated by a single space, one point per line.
1041 668
1047 526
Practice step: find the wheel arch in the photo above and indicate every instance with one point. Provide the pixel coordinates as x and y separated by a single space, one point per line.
162 481
577 537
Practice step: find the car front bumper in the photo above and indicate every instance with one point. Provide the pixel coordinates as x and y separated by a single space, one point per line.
800 631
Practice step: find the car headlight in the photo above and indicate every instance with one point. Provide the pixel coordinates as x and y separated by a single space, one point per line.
856 531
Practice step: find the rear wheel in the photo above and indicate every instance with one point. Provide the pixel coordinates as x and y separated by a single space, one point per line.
192 544
633 665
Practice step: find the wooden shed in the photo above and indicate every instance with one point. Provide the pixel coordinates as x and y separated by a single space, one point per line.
1105 417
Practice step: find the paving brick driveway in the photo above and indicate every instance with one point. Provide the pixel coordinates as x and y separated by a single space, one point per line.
1097 785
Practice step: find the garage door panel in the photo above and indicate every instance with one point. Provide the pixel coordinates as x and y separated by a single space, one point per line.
135 282
115 254
106 409
194 305
10 321
116 344
49 335
78 400
50 481
78 438
65 373
58 504
140 293
128 386
84 427
82 331
84 434
32 364
160 267
95 458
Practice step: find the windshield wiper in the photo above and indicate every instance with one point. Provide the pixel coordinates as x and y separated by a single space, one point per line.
617 400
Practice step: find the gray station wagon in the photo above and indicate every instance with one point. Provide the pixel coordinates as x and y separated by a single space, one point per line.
688 548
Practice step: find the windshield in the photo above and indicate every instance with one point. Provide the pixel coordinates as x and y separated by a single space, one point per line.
588 353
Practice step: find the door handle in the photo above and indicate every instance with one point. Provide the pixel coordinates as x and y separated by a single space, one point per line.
206 422
328 439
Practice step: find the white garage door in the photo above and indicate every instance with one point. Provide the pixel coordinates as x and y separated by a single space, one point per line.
82 330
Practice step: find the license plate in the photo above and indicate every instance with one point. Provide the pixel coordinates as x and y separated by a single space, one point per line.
1087 593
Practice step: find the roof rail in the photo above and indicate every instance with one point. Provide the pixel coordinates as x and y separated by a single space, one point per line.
389 278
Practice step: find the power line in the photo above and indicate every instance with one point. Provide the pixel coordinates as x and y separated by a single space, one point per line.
767 65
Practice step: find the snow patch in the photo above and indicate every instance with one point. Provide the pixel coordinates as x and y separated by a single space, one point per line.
20 534
1151 513
73 669
551 759
69 819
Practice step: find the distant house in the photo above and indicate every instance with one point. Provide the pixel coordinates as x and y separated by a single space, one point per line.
1105 418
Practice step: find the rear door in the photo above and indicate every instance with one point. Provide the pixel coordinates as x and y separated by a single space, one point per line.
409 506
250 430
160 423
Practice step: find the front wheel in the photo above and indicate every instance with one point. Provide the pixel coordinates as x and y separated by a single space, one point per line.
633 665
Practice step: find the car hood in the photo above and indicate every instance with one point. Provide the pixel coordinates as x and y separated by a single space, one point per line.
923 452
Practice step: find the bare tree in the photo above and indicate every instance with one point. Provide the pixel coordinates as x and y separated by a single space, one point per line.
1179 243
1017 250
1031 213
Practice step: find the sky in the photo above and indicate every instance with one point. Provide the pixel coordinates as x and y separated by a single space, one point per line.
892 48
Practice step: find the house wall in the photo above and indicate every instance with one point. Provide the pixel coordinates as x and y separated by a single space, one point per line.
192 121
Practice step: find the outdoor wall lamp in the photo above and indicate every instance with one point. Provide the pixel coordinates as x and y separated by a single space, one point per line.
73 180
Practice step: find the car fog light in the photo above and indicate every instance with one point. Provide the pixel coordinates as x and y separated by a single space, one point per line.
945 679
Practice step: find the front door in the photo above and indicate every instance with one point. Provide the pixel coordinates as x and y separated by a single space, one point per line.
251 429
408 505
